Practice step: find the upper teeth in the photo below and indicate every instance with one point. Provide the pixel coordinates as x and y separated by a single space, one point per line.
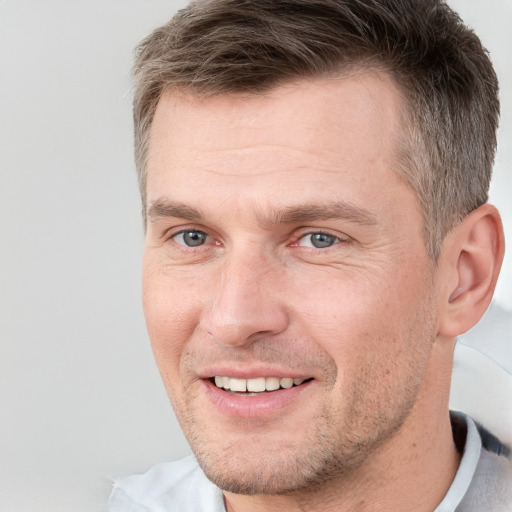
256 385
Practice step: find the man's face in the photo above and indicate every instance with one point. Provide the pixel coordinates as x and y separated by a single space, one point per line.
281 244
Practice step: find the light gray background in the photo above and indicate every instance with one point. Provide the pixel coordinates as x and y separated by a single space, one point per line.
80 396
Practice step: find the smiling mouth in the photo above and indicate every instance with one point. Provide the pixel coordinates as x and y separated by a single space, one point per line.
256 386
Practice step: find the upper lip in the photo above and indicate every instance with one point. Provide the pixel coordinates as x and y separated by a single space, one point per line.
238 372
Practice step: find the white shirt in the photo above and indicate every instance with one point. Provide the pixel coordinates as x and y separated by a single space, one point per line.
483 482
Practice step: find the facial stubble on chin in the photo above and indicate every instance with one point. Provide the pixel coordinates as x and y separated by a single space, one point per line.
321 456
331 445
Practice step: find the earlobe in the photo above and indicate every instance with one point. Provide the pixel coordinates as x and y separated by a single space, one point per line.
474 254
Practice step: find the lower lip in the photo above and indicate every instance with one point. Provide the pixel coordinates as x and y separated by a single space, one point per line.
246 406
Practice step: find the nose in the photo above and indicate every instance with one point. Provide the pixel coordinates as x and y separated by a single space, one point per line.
246 303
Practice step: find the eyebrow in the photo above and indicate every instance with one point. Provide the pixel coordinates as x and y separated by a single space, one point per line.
162 208
312 212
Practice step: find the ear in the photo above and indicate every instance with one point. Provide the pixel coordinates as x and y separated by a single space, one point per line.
471 257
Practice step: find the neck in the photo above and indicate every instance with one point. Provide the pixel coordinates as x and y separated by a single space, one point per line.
413 470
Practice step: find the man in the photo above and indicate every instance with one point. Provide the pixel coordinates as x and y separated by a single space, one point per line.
314 179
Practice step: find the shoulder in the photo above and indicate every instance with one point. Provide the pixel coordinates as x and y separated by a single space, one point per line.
491 485
178 485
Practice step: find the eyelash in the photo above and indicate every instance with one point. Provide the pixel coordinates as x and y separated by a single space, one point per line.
172 237
339 240
296 242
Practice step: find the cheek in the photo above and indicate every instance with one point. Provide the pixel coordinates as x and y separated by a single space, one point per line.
171 316
357 316
343 306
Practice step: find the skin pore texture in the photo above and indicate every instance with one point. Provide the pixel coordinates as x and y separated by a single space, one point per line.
281 242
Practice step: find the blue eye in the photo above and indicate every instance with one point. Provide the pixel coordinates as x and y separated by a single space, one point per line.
318 240
191 238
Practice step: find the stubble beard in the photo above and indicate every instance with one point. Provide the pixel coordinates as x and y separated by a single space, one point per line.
332 448
336 442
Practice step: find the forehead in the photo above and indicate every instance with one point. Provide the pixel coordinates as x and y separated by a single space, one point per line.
327 136
313 107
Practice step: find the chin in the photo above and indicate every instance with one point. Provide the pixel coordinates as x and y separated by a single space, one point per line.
270 476
255 468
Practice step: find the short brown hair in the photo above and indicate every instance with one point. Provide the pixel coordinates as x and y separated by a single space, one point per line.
250 46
